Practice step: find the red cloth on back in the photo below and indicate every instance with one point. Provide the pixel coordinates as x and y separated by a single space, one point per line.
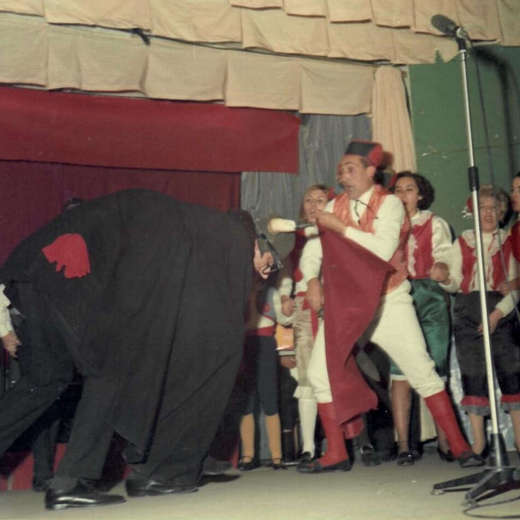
69 251
353 279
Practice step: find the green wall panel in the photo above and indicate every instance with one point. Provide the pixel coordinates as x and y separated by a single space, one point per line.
438 120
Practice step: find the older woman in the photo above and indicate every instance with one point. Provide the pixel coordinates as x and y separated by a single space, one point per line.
460 277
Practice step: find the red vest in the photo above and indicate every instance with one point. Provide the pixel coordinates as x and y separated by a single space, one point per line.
366 224
514 240
468 265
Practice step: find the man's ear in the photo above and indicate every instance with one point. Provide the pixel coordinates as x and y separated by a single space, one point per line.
371 171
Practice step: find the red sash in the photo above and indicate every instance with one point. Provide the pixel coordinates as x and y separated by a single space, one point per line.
468 265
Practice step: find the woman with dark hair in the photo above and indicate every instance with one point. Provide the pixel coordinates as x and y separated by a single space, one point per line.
459 276
514 236
430 238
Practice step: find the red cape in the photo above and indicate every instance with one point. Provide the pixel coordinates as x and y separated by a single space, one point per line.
353 279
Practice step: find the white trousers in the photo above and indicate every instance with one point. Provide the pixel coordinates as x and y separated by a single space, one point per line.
396 330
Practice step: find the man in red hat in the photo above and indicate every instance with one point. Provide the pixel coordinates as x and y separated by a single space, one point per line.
361 257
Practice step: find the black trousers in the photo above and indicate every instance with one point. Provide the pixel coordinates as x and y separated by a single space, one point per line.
260 373
470 349
48 369
188 421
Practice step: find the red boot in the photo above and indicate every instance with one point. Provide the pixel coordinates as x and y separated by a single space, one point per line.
336 457
441 409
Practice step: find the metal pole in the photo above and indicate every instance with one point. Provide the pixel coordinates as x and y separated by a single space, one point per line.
474 187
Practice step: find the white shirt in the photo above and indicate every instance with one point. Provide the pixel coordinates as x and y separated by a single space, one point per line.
383 242
5 319
490 247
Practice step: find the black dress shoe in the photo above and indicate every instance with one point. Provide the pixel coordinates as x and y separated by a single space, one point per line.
247 465
213 467
446 456
315 466
369 456
277 464
470 459
151 487
305 458
405 458
40 484
82 495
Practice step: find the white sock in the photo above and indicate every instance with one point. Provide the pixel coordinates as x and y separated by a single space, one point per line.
308 410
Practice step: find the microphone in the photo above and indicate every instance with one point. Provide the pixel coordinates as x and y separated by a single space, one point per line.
447 26
284 225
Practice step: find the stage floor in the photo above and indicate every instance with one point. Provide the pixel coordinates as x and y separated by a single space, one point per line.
384 492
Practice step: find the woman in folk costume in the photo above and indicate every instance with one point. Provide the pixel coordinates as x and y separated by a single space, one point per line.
460 276
514 235
361 254
259 373
292 289
430 238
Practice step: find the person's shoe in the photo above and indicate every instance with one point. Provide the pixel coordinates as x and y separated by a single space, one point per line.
151 487
247 465
81 495
213 467
306 457
314 466
446 456
278 464
405 458
470 459
40 484
369 456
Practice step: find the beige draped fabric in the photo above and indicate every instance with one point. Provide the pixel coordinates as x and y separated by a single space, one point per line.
102 60
297 26
306 55
391 122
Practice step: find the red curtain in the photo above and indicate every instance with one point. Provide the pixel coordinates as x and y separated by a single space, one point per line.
55 145
59 127
32 193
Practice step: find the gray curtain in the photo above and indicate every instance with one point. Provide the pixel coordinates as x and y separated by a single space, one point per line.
323 140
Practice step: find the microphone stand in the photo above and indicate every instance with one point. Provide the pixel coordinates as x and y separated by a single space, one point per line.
498 472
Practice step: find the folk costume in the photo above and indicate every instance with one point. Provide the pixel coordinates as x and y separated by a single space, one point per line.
500 264
371 298
514 238
429 240
305 326
258 375
145 296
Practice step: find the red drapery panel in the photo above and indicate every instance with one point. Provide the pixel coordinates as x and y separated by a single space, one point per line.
141 133
33 193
